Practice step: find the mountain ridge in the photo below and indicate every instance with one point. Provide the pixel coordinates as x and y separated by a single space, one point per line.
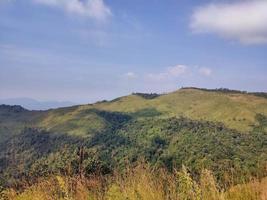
236 110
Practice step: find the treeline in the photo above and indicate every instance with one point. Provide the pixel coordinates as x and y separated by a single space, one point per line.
226 90
11 109
147 95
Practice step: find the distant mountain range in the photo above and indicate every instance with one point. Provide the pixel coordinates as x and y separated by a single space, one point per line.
32 104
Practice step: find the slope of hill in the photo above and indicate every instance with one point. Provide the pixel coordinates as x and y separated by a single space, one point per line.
221 131
235 110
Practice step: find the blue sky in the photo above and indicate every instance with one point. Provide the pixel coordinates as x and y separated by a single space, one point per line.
84 51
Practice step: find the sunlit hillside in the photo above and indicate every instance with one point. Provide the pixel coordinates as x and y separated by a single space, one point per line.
235 110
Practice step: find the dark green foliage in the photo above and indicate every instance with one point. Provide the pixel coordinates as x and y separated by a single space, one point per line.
11 109
20 152
147 112
147 95
103 101
199 145
115 118
262 123
223 90
262 119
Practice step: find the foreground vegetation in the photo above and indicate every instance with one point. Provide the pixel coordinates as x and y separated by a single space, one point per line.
141 182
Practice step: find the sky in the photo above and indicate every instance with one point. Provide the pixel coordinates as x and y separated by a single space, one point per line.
88 50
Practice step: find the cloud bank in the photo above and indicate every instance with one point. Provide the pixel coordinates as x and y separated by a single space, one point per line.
245 21
95 9
179 72
167 78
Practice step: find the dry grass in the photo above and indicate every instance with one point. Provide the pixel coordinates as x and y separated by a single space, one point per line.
255 190
142 182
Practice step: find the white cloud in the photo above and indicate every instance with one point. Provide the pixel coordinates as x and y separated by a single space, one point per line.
130 75
96 9
245 21
205 71
170 72
177 70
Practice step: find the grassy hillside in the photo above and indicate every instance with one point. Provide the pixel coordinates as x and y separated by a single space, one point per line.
224 132
235 110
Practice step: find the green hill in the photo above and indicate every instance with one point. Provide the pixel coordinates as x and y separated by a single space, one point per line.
222 130
233 109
